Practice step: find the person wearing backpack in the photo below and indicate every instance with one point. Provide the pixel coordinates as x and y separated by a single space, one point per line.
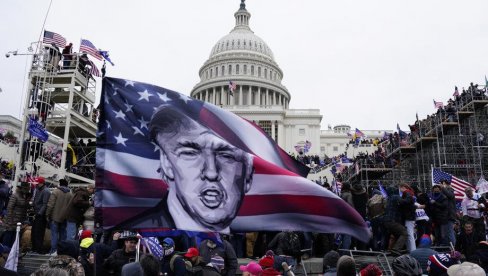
376 209
172 264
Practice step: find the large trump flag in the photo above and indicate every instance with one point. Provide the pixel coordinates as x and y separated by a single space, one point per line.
130 184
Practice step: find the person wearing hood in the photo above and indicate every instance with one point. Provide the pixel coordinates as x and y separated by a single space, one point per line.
407 208
423 252
172 264
75 211
56 206
440 214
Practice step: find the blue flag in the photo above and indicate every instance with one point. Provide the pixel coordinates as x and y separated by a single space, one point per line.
154 247
382 190
37 130
106 56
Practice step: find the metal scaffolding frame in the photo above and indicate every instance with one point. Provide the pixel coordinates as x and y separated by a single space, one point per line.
62 98
445 140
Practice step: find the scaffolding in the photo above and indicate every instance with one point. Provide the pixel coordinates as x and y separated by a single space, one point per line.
61 98
454 140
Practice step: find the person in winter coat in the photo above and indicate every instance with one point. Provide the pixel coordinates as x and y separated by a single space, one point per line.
467 241
440 214
172 264
448 191
4 193
89 215
16 212
114 263
77 207
423 252
41 198
407 209
393 220
56 206
209 248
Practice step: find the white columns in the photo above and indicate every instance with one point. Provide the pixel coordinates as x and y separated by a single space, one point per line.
266 102
259 96
249 96
240 95
213 96
222 94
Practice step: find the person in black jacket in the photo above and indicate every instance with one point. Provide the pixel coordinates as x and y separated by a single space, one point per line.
393 220
209 248
439 215
41 198
448 191
114 263
407 209
172 264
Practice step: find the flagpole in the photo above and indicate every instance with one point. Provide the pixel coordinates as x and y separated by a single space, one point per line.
13 257
138 247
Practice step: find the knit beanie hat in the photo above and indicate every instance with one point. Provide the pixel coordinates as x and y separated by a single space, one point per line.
266 261
465 269
346 266
85 234
371 270
330 259
425 241
217 262
253 268
439 263
131 269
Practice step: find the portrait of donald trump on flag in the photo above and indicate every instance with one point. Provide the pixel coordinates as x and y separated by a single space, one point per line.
168 161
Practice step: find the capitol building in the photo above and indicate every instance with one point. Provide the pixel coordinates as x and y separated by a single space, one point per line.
243 58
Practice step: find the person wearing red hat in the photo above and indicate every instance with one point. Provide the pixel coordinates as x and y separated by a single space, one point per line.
41 198
193 255
267 263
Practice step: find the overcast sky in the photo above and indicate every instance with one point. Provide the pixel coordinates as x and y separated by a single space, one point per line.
369 64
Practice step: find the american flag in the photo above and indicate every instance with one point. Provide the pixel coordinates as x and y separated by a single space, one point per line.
57 39
456 92
232 87
336 187
93 69
128 182
89 48
438 104
152 244
457 184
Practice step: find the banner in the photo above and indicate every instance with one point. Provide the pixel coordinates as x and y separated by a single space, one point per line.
168 161
36 129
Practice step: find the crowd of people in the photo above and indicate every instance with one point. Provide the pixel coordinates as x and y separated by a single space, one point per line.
425 231
448 113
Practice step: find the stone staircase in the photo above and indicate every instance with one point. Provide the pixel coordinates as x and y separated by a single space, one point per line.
30 262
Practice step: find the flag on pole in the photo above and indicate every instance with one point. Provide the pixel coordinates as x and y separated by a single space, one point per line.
482 185
13 256
456 92
438 104
382 190
401 133
456 183
232 87
52 37
89 48
94 69
268 193
358 133
152 244
106 56
486 82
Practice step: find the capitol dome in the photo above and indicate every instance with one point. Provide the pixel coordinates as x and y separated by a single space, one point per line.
241 70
